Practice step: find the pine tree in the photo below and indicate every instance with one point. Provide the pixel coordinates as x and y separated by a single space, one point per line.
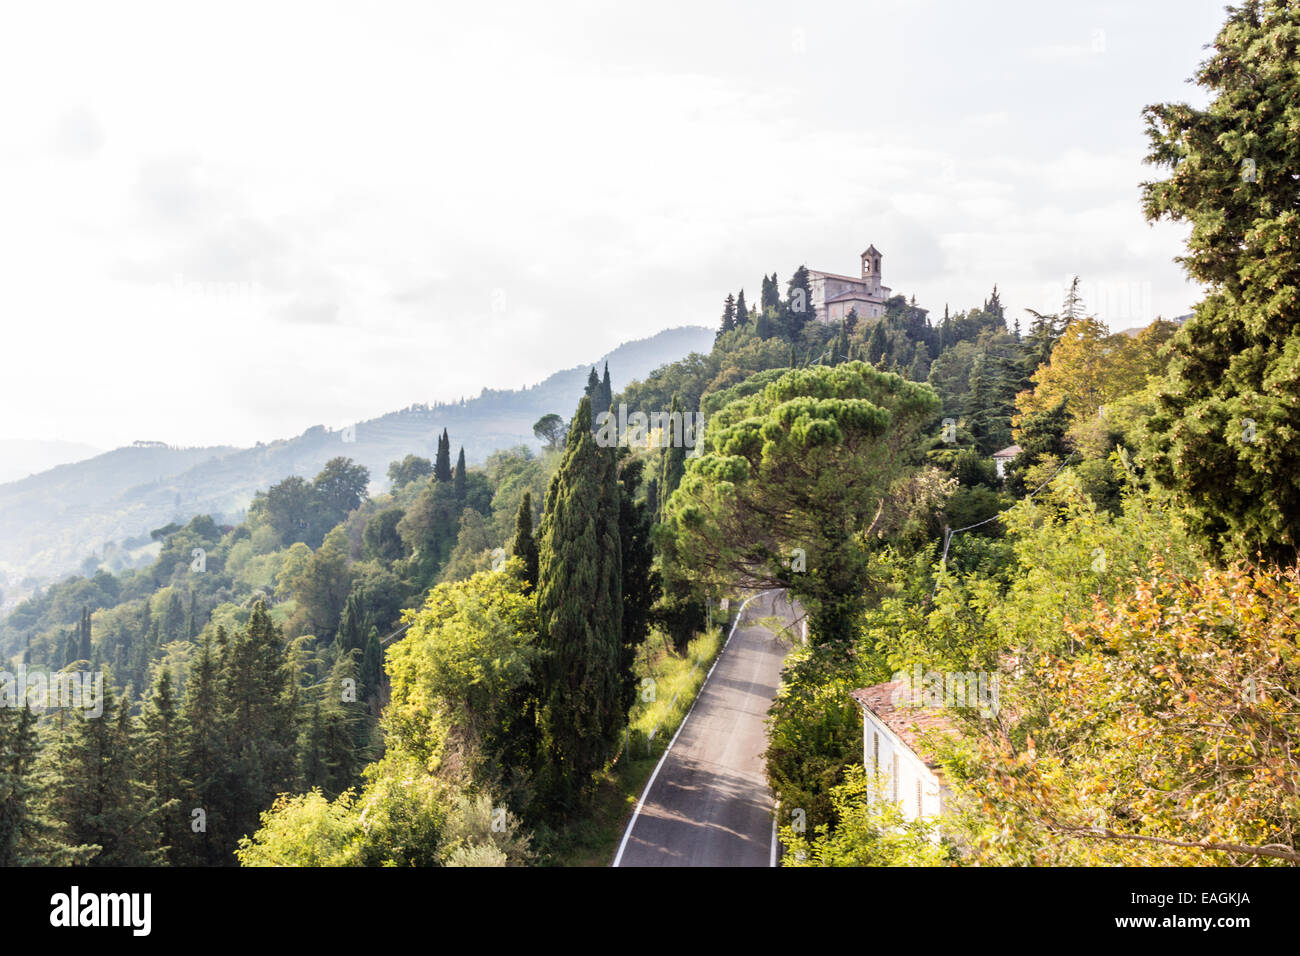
728 323
524 546
257 697
22 828
579 603
442 462
742 310
161 762
98 800
993 304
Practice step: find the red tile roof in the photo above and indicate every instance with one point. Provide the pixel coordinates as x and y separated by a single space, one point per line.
906 721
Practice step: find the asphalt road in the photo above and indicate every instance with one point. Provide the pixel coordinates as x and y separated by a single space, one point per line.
708 803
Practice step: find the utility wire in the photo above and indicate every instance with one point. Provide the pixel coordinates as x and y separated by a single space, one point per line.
949 532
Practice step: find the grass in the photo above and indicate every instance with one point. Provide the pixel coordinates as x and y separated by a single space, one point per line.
677 679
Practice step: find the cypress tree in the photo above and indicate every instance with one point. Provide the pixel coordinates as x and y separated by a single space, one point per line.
674 464
458 482
524 546
606 392
442 463
579 603
742 310
640 580
798 304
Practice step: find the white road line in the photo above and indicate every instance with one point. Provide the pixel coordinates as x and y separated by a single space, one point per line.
641 803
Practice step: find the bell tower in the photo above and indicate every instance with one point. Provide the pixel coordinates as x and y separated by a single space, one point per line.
871 265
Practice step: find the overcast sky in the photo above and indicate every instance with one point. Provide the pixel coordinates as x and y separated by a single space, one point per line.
226 227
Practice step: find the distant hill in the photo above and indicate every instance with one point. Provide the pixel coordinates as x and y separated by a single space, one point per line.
52 522
22 457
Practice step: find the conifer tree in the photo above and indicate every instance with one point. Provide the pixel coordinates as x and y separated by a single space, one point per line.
161 761
640 580
606 392
21 825
524 546
458 481
728 322
674 463
1224 433
742 310
98 799
83 642
579 604
798 307
442 462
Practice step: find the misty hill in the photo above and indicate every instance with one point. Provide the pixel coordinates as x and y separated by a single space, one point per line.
22 457
51 523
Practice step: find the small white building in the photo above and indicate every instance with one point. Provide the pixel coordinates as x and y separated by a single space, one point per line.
1004 457
891 748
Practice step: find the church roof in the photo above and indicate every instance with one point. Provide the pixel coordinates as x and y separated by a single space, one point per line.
855 296
872 250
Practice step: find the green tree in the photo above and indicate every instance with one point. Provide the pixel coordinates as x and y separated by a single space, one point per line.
821 460
409 469
1225 435
550 429
673 465
580 610
524 547
458 479
442 461
161 762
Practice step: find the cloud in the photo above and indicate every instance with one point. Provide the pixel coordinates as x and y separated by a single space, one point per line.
77 134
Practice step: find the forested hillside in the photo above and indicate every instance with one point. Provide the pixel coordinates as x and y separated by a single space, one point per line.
99 512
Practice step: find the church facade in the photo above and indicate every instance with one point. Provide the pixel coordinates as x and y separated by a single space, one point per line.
835 296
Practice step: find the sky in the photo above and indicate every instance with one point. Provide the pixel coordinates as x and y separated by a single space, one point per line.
226 224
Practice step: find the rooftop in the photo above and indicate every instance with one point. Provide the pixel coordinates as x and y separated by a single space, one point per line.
907 723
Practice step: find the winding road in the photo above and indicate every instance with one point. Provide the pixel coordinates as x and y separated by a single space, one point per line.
707 802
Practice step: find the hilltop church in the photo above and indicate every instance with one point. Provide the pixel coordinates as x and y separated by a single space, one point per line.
835 296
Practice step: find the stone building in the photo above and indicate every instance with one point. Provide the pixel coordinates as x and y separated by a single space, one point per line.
834 296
